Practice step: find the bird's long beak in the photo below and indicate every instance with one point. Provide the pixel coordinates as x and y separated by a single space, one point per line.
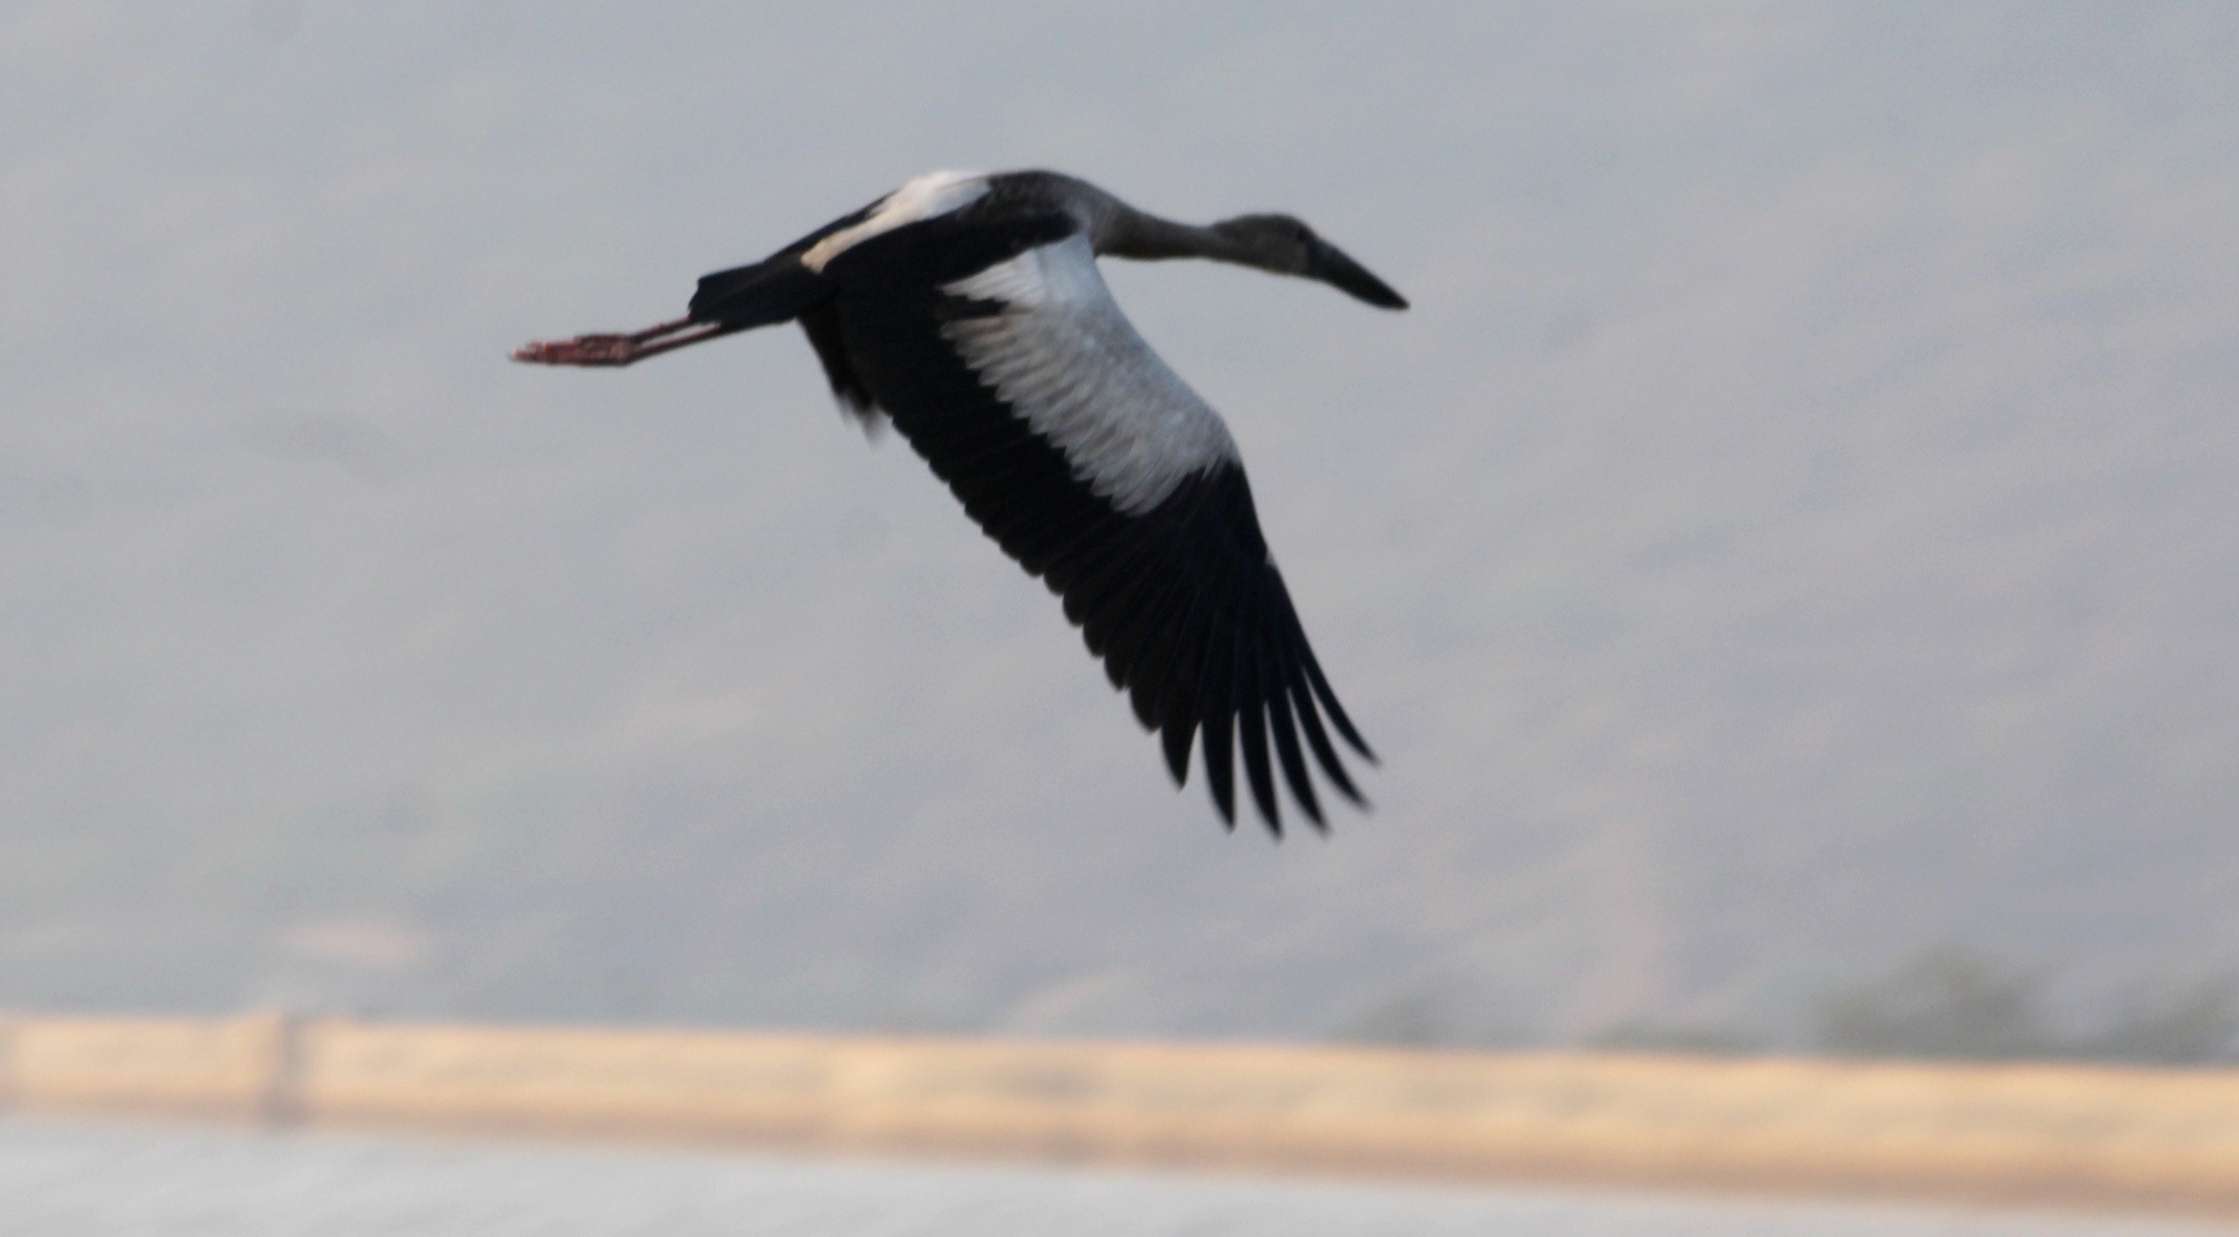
1329 264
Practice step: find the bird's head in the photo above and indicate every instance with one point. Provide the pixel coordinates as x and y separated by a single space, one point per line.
1285 245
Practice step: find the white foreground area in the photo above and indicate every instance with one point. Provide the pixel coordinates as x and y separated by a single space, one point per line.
80 1178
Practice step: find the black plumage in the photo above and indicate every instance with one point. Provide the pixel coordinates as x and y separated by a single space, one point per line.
1163 567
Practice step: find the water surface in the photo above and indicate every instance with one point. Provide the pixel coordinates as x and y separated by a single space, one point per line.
74 1178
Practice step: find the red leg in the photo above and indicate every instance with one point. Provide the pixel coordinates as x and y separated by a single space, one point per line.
616 350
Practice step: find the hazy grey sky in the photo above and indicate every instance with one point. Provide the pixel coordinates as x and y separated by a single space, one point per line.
1795 523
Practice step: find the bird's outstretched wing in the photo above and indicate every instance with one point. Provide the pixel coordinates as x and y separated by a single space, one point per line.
1001 356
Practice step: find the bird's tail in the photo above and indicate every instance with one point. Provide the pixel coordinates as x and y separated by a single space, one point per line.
758 294
739 299
781 289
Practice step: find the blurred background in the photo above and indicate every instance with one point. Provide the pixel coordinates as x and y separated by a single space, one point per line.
1787 559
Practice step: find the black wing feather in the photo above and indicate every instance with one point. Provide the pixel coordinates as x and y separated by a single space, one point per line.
1182 601
1251 728
1286 737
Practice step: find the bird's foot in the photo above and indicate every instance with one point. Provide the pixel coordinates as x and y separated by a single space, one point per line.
582 350
589 350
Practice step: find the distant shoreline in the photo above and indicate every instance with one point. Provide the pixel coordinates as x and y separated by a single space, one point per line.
2036 1134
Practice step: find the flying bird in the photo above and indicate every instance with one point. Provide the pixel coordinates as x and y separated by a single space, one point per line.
968 310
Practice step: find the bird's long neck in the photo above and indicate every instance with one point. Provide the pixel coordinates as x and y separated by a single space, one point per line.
1137 234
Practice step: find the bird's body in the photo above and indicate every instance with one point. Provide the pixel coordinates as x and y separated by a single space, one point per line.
969 310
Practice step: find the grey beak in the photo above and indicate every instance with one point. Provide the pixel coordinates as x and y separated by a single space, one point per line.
1329 264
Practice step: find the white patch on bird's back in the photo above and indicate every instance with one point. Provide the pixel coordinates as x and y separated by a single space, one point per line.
1065 358
935 193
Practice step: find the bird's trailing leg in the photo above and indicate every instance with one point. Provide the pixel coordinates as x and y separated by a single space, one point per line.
594 350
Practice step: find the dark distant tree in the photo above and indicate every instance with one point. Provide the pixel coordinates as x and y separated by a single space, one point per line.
1415 1019
1441 1012
1641 1035
2195 1024
1947 1002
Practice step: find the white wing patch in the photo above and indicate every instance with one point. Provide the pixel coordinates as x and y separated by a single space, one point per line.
1067 360
935 193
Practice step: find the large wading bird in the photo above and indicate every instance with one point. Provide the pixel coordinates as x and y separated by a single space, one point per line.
968 310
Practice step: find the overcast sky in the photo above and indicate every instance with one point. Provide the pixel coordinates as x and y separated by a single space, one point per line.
1802 494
